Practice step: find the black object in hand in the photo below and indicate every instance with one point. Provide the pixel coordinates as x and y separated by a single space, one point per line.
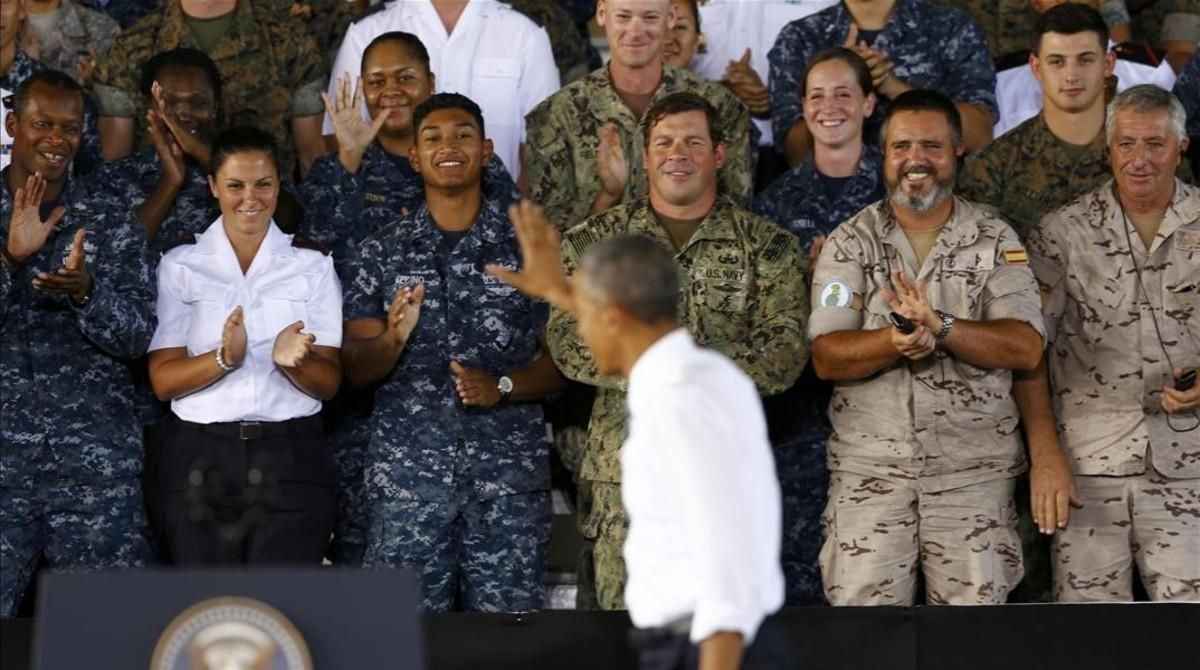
905 326
1186 381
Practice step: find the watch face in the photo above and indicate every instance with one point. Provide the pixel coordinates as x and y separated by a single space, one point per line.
504 385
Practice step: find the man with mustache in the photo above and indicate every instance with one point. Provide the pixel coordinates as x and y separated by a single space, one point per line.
76 303
742 293
924 450
1121 294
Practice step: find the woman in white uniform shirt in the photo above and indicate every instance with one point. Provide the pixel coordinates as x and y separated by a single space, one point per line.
247 347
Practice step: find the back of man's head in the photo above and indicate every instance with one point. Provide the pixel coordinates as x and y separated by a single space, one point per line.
635 273
1071 19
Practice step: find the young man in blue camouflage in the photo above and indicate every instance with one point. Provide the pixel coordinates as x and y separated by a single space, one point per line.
76 303
457 470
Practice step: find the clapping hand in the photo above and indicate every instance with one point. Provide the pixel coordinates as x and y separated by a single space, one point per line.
908 300
170 154
73 278
747 85
476 388
292 346
404 313
611 165
27 232
1180 402
353 134
189 142
542 273
233 338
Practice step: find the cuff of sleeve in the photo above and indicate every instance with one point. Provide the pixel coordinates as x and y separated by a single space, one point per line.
712 618
306 100
89 308
113 101
328 338
825 320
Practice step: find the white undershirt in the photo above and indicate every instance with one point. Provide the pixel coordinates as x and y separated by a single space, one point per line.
699 483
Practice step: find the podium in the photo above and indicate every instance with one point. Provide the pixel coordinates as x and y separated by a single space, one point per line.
350 619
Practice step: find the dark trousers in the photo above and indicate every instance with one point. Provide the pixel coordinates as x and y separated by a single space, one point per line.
660 649
249 494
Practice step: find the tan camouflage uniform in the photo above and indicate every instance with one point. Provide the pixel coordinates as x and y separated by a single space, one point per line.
80 31
563 133
1029 172
742 293
923 454
271 67
1139 479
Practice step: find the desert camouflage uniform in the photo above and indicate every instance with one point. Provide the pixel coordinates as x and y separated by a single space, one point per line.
798 202
1139 479
742 293
563 134
1029 172
930 46
271 67
923 454
454 489
68 422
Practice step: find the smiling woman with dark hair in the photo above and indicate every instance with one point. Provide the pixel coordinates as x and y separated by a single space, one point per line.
246 351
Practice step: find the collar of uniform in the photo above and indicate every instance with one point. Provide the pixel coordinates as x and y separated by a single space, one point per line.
173 32
1183 209
490 225
602 105
426 11
959 231
870 162
717 224
1097 149
72 24
22 66
903 12
213 239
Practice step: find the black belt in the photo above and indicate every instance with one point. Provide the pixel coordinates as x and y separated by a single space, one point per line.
257 430
644 637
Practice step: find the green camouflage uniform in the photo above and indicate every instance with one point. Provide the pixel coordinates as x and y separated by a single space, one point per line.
271 67
563 135
742 293
1029 172
1011 25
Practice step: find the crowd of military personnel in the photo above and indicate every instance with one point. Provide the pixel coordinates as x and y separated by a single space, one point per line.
977 352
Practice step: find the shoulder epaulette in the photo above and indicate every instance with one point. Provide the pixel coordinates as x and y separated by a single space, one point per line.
302 242
1137 52
1013 60
186 239
374 10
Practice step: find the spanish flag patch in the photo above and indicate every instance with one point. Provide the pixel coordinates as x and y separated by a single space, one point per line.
1016 257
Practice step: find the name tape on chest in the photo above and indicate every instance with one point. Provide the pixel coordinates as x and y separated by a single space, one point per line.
836 293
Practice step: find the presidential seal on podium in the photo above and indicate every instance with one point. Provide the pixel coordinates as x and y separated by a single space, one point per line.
231 633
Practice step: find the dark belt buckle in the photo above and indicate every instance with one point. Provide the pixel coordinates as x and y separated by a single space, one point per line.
250 430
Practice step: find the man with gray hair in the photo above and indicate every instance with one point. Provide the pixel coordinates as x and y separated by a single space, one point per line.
1121 292
699 479
924 306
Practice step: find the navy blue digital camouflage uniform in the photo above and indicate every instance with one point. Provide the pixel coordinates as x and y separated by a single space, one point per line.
1187 89
88 158
929 45
340 209
798 421
133 178
459 493
125 12
71 434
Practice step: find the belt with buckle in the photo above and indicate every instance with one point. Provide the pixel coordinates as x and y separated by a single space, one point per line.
257 430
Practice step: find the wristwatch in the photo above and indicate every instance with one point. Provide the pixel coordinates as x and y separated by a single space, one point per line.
505 386
947 324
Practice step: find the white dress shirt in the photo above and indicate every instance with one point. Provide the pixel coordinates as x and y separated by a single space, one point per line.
732 26
200 284
496 56
698 481
1019 94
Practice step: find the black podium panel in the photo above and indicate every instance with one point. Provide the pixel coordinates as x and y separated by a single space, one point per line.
349 619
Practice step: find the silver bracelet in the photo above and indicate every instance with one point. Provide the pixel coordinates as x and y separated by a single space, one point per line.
225 367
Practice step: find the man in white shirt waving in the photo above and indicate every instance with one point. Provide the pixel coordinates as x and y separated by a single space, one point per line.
699 480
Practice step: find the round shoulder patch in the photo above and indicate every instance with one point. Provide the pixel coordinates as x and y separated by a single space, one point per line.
836 293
